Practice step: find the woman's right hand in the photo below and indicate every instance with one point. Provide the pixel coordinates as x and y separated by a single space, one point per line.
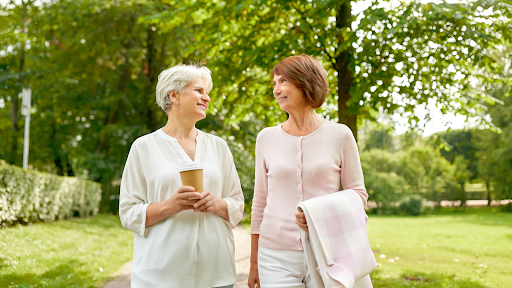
158 211
254 279
180 200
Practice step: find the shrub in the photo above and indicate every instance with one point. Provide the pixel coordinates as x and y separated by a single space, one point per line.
385 190
412 205
30 196
507 208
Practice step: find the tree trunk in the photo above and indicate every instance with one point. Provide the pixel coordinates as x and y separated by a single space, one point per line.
488 188
345 77
117 108
153 65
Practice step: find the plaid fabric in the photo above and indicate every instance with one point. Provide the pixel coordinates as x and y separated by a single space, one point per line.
338 240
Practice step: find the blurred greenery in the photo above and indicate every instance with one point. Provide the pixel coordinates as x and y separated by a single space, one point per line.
92 66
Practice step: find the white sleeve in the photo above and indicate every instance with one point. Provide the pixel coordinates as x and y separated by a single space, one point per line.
133 201
232 190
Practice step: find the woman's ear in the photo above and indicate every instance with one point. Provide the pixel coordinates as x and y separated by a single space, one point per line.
173 96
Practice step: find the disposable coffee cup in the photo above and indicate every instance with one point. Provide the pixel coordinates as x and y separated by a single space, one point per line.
192 175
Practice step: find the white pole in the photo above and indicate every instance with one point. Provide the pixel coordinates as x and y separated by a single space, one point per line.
25 110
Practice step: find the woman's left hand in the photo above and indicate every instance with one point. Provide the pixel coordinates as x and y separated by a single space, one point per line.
300 219
207 203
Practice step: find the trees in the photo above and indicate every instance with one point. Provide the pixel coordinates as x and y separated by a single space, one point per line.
93 67
387 58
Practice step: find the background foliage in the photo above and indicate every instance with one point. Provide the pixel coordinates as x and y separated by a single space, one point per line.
30 196
93 64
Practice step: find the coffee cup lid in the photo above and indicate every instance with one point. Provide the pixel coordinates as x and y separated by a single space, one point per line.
190 166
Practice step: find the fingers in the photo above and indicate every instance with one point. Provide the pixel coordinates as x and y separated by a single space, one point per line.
185 189
207 204
300 215
188 193
302 226
301 220
205 197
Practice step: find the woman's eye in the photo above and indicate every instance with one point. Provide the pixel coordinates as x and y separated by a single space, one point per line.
283 80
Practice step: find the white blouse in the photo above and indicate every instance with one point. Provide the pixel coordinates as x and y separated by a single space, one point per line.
188 249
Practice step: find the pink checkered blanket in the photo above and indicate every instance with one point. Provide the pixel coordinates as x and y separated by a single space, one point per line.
337 248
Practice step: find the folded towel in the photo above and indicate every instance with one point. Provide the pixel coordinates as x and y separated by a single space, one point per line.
337 249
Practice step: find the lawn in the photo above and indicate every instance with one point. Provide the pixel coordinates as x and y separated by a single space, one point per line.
471 248
71 253
450 248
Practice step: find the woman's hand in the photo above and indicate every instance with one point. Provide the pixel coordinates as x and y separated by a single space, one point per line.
300 219
156 212
207 203
181 200
254 279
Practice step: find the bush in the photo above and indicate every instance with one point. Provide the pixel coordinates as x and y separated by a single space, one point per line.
385 190
29 196
411 205
507 208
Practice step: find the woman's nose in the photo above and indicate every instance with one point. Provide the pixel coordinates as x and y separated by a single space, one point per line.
277 90
206 98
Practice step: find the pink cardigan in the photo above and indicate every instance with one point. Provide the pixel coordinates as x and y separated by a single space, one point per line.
291 169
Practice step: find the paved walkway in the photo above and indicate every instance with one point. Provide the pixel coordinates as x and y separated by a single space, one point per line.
242 254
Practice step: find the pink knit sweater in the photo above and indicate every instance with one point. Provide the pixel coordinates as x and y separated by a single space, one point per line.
290 169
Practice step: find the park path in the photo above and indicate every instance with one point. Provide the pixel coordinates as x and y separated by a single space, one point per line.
242 255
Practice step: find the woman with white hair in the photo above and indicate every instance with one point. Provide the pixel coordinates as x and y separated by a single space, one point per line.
180 241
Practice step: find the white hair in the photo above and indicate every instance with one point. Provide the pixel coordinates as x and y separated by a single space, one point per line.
176 79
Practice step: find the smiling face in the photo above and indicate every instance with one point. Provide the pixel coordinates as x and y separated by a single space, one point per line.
289 96
194 100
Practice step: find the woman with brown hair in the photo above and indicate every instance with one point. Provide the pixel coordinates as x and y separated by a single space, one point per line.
307 156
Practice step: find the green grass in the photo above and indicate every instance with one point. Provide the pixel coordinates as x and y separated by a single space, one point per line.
452 248
471 248
70 253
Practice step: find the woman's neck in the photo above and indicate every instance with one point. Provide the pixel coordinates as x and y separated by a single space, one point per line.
180 128
302 122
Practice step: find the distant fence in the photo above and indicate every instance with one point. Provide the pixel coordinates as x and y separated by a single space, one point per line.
30 196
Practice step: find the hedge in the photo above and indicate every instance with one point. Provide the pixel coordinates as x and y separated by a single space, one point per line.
28 196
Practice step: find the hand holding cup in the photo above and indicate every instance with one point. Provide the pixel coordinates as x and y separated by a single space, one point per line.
181 199
207 203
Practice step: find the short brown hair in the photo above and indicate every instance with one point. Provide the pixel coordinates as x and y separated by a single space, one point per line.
308 74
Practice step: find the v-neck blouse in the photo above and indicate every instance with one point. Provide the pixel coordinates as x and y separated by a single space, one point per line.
188 249
180 149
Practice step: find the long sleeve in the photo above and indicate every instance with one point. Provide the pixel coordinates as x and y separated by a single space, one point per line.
133 201
232 191
291 169
259 200
351 171
186 249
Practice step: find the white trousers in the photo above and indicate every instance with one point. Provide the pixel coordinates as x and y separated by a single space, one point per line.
283 268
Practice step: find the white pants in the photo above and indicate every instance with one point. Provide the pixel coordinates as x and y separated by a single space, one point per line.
283 268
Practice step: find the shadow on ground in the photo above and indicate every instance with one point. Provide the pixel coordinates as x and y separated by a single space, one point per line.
64 275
